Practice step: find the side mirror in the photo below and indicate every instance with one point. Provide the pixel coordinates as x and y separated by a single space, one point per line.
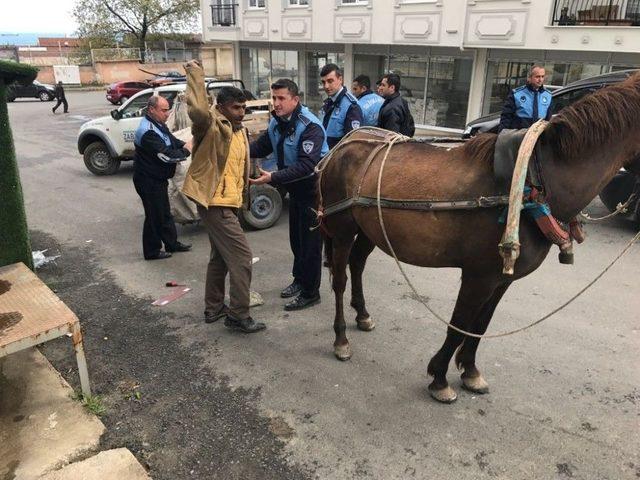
115 114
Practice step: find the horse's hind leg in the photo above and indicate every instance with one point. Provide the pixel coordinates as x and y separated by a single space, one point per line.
472 379
361 250
339 257
474 293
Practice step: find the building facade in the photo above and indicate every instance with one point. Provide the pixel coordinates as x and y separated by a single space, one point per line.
458 59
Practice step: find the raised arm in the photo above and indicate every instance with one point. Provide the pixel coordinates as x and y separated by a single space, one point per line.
197 101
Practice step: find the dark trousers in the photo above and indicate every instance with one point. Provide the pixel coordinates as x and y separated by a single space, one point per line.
159 226
230 253
306 245
61 101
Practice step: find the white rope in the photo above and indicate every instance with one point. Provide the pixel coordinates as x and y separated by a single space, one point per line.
399 138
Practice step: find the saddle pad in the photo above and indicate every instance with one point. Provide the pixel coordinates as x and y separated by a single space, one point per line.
504 157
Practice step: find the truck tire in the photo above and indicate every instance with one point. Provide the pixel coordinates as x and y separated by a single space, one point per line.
99 161
265 208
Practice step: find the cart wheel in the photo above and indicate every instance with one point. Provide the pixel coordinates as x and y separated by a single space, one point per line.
265 208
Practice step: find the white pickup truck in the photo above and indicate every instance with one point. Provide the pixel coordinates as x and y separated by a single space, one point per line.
106 141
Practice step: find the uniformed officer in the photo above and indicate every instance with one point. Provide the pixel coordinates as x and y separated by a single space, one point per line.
157 152
369 101
527 104
298 141
340 112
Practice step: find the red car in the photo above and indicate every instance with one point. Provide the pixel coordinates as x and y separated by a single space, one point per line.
120 92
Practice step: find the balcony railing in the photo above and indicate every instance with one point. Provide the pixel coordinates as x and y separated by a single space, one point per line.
224 15
596 12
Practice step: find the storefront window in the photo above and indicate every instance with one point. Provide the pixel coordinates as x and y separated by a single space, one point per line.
412 70
449 82
313 93
261 67
255 65
372 66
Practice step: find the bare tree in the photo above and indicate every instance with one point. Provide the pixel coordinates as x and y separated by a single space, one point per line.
105 20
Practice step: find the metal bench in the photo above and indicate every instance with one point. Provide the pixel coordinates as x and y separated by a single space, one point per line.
31 314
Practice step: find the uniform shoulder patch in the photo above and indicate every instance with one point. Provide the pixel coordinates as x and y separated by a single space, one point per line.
307 146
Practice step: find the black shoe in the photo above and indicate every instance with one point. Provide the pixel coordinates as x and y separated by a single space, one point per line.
301 302
158 256
291 291
246 325
211 317
179 247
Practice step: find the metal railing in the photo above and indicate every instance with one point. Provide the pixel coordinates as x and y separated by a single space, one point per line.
223 15
596 12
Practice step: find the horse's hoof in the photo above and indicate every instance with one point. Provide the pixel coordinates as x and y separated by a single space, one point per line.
475 384
443 395
366 325
342 352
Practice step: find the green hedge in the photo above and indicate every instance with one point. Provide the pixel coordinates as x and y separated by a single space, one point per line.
14 234
17 72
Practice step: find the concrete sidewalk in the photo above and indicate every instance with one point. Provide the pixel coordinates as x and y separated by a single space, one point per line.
43 431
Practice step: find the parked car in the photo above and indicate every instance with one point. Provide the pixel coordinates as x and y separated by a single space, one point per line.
43 91
106 141
120 92
621 186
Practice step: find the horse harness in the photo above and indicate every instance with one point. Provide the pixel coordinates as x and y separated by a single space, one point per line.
399 204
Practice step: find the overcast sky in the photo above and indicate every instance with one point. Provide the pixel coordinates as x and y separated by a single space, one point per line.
41 16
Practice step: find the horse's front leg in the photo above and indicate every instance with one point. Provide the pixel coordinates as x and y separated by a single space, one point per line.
474 293
472 379
339 258
361 250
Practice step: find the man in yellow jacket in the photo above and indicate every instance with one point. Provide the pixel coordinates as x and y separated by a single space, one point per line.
217 182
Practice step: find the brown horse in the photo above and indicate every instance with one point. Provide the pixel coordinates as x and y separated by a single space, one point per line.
578 153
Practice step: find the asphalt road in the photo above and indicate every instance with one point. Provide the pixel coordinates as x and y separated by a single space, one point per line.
564 399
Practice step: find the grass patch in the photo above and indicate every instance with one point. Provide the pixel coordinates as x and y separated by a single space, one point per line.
93 403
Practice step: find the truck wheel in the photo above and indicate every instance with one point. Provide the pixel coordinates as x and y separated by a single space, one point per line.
265 208
99 161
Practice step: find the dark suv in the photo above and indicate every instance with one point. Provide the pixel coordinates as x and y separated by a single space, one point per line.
44 92
621 187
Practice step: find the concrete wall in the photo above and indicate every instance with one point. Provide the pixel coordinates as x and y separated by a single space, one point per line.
510 24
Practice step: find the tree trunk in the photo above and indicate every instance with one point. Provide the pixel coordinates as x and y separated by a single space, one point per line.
14 234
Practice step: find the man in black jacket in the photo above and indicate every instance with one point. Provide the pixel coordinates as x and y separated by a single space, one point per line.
157 152
59 92
394 114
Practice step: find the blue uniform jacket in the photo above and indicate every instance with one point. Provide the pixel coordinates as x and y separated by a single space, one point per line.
524 107
370 103
298 144
341 116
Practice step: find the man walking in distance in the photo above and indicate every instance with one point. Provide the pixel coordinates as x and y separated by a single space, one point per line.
62 99
297 139
394 113
217 181
527 104
157 152
340 112
369 101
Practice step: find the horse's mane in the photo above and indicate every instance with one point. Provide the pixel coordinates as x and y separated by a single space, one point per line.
595 120
481 147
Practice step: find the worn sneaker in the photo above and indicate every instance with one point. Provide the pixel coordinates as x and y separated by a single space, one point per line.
246 325
301 302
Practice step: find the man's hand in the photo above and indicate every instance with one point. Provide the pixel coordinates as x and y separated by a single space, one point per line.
189 145
192 63
265 177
